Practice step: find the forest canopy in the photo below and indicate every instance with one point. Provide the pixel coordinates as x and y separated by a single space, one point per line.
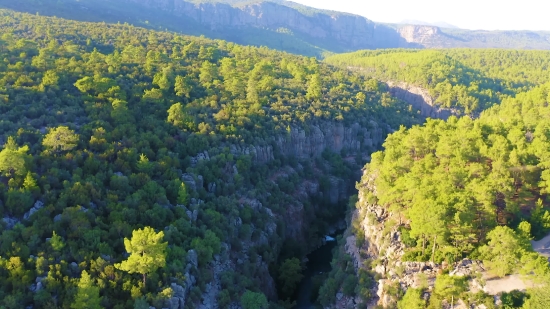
463 186
109 130
470 80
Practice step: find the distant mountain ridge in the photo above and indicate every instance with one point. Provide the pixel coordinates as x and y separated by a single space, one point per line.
278 24
440 24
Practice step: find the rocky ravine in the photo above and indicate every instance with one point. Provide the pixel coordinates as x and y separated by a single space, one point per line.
304 144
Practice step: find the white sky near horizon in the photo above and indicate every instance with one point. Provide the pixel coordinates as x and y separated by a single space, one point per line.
466 14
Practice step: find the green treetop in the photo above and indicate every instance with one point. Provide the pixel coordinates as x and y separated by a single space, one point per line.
87 296
60 139
12 159
147 252
251 300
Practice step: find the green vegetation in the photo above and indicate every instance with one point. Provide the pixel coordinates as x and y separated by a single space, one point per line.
342 278
457 180
471 188
87 296
470 80
290 275
128 163
412 300
147 252
115 11
251 300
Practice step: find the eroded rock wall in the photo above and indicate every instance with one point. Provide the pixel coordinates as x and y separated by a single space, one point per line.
420 99
352 31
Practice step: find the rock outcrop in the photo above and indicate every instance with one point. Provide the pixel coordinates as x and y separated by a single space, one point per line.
181 289
419 34
333 136
304 143
420 99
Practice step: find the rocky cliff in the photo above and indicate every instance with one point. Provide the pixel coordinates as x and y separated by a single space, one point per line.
420 99
352 32
419 34
278 24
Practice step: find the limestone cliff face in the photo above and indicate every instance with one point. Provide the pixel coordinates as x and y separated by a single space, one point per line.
353 31
419 34
310 142
333 136
420 99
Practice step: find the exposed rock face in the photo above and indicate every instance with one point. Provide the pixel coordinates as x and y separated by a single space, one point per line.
420 99
37 206
180 292
304 143
351 31
419 34
333 136
10 222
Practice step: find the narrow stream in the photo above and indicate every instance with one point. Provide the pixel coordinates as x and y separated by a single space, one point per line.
318 267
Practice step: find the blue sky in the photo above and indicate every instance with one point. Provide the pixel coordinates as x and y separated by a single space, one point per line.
467 14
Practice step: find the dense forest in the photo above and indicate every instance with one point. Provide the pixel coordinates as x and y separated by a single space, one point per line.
470 80
140 166
149 169
471 188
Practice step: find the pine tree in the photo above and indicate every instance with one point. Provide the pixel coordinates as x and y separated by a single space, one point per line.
412 300
147 252
182 87
29 184
87 296
57 242
12 158
314 90
60 139
183 195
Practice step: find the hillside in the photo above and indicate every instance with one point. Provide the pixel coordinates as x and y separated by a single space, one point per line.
230 157
447 211
469 80
280 24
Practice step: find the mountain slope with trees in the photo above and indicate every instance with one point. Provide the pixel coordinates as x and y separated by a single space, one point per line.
145 168
277 24
470 80
449 193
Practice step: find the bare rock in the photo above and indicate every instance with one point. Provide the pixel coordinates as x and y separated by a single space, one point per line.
192 257
37 206
10 222
189 180
420 99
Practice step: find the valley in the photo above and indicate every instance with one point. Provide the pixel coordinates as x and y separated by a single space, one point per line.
264 154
